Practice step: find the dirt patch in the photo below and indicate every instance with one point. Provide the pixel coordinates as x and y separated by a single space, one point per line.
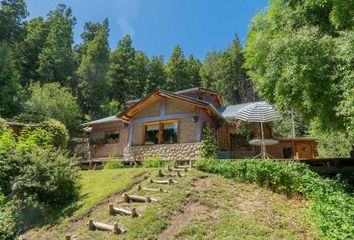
193 211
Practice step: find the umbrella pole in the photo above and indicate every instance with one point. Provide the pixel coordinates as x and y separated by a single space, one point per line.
263 145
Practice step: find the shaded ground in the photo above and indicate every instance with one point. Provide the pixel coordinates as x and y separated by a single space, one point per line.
196 207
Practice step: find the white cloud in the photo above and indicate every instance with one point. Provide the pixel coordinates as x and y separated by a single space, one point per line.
127 11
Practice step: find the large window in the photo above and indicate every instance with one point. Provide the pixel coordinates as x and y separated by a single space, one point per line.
163 132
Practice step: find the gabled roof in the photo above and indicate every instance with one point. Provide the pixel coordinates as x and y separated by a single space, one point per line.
158 94
102 120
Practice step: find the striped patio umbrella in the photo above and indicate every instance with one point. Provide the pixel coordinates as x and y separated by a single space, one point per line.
258 112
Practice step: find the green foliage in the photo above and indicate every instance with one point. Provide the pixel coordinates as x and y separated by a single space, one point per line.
53 101
330 203
3 126
332 144
210 147
284 126
35 35
47 178
58 132
224 72
156 77
56 60
113 164
300 55
153 162
93 87
176 71
12 14
9 219
193 69
9 82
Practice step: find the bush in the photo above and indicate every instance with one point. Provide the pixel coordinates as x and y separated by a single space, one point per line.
9 219
331 205
46 178
2 125
153 162
210 147
113 164
58 131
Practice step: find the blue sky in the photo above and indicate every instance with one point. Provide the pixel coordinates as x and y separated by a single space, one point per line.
156 26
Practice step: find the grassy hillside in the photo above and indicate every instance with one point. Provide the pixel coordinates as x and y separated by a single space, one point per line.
198 206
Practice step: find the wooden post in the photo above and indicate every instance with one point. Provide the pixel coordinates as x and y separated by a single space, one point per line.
152 189
122 211
160 173
126 198
91 226
139 187
67 237
116 229
110 209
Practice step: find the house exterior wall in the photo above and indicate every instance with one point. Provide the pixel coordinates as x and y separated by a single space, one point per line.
151 111
174 106
167 152
109 149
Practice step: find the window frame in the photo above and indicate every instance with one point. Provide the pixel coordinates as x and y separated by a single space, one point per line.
160 123
111 133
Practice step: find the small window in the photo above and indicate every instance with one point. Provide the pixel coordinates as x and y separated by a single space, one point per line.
287 152
112 137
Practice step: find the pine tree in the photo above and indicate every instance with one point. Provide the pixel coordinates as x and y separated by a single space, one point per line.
207 70
140 75
193 69
156 76
176 71
9 82
12 13
120 74
35 35
93 87
56 60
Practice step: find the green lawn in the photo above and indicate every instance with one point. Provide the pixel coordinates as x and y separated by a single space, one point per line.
198 206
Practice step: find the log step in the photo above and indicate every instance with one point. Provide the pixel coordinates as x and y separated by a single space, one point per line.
178 174
115 210
150 189
138 198
169 181
93 226
177 169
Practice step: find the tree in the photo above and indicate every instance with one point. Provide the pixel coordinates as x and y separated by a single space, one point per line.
300 55
93 87
176 71
53 101
35 35
12 13
156 77
207 70
193 69
9 82
56 60
140 74
121 69
225 73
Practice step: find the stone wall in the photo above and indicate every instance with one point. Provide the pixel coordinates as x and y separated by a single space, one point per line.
172 152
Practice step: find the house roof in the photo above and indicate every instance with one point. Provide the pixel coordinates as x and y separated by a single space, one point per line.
102 120
157 94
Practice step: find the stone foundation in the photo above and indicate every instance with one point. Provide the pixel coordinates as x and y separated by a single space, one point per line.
167 152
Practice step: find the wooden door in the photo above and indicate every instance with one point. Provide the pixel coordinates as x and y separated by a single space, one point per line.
304 150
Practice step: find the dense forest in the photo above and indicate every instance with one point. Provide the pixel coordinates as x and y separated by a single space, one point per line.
39 58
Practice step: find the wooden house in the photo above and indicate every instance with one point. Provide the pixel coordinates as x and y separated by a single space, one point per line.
169 125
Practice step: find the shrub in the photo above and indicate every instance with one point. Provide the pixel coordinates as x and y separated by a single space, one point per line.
210 147
113 164
58 131
153 162
331 205
2 125
48 178
9 219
